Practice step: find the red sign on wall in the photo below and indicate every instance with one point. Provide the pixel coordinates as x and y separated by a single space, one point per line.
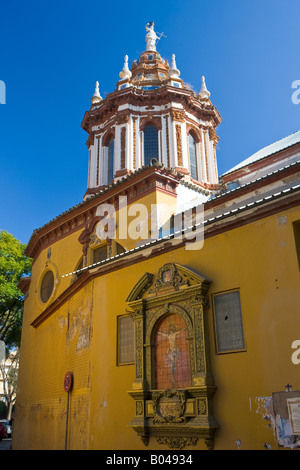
68 381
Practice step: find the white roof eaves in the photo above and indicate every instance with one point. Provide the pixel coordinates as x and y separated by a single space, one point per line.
271 149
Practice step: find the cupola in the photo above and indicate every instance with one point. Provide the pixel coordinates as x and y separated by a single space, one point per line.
152 116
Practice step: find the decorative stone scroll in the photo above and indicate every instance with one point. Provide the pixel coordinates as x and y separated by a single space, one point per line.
168 406
168 276
169 310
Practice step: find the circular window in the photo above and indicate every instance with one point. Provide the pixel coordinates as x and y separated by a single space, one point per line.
47 286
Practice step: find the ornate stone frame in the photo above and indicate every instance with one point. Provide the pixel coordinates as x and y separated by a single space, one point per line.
183 292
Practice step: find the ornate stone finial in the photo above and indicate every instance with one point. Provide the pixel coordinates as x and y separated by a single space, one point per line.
125 73
173 72
151 37
96 98
204 93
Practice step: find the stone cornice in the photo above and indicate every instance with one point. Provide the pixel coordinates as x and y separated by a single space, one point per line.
136 97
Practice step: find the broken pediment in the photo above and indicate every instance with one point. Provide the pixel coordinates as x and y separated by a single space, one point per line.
171 277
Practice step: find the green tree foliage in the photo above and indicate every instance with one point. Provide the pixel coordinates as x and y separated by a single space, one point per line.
13 266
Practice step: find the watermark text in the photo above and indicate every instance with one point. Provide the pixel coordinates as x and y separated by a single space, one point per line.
2 92
139 222
296 354
296 93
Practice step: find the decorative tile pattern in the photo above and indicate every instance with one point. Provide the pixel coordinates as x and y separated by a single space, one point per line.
171 354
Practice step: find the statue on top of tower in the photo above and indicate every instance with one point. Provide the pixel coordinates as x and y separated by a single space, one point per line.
151 37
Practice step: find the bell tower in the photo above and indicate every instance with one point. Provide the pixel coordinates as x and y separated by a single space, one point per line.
152 117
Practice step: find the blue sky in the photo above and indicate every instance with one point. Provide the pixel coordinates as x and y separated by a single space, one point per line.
53 52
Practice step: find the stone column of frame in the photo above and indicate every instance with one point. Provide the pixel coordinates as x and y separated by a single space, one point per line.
202 374
138 315
139 386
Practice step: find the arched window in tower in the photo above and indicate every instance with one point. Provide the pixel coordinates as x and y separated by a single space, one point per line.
193 157
110 162
150 144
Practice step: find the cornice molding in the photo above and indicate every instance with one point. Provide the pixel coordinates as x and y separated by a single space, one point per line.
141 98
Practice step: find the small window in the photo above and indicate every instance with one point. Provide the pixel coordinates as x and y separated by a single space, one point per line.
100 254
228 322
150 144
119 249
110 164
193 157
47 286
125 340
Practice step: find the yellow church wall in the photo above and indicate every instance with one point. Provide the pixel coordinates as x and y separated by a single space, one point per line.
60 344
259 259
110 382
139 211
62 258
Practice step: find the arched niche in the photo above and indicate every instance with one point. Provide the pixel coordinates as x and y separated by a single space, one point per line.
171 353
177 411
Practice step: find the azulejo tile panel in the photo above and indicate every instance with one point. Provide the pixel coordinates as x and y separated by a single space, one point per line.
171 354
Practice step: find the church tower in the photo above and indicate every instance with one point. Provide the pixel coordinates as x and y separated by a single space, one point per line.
152 118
